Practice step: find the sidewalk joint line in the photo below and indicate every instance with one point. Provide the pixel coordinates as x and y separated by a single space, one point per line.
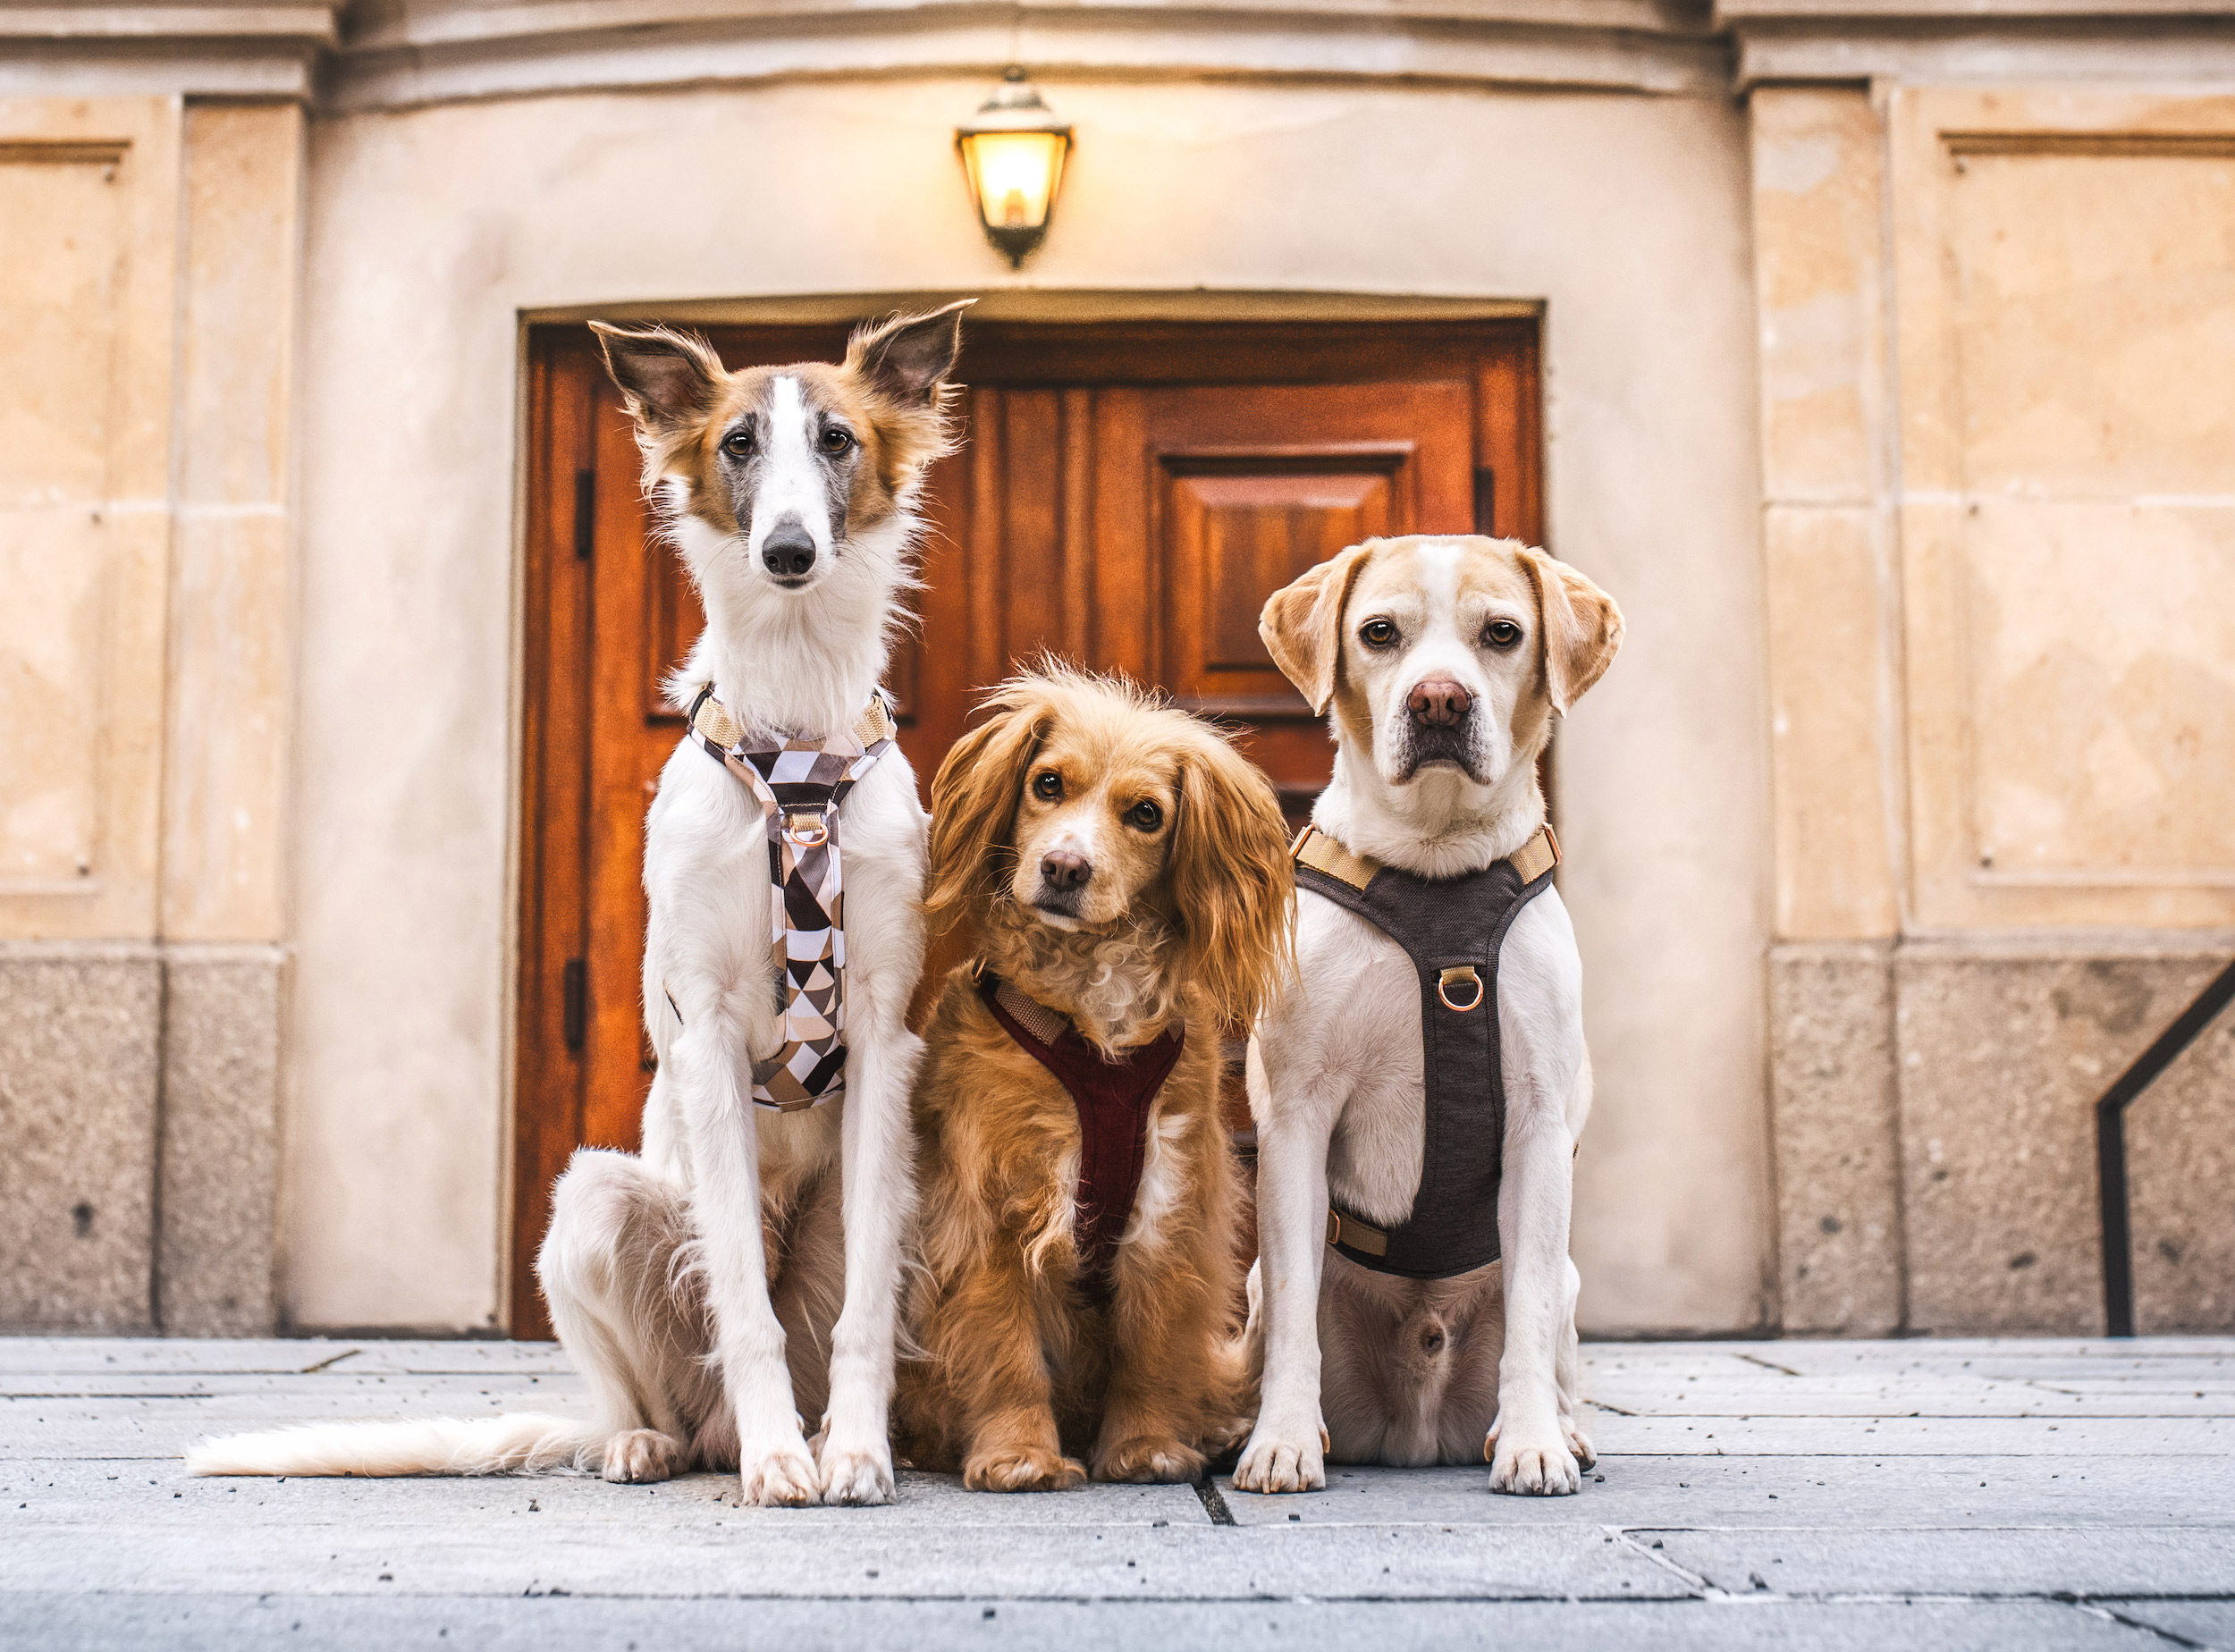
1213 1503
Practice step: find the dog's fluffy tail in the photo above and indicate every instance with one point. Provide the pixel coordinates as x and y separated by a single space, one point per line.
521 1442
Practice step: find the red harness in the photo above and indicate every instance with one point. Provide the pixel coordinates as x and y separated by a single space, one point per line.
1113 1098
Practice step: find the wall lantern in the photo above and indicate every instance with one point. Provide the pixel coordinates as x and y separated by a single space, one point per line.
1014 150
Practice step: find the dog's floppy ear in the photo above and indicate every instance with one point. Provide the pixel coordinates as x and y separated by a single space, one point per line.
908 357
1232 886
1302 623
973 801
1583 627
669 378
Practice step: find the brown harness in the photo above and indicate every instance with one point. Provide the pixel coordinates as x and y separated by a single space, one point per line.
1113 1100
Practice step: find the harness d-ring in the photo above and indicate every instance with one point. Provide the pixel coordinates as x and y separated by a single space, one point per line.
1463 973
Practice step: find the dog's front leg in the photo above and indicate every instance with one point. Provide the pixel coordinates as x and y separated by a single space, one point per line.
1527 1448
773 1464
856 1445
1287 1449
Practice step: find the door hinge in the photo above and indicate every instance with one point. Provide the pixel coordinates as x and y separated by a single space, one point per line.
574 1007
585 513
1486 501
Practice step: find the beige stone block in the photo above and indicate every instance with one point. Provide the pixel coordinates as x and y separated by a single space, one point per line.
81 722
2071 733
2092 298
225 825
59 292
1818 240
89 189
2065 283
231 587
78 1101
1830 723
243 236
221 1030
1832 1100
2003 1056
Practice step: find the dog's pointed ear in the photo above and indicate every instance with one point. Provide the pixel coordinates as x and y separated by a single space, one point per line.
1232 883
909 356
1582 627
974 801
1301 625
670 379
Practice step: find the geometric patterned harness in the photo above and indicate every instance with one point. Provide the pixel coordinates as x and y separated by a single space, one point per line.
801 785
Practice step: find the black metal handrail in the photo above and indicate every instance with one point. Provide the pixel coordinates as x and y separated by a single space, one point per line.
2118 1237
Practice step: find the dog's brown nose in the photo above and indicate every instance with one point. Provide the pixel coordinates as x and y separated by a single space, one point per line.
1439 703
1064 869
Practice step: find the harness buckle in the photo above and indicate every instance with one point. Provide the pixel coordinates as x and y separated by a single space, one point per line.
805 828
1460 975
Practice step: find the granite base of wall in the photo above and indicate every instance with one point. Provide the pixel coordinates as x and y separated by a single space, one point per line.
1934 1107
214 1264
138 1137
1832 1109
79 1035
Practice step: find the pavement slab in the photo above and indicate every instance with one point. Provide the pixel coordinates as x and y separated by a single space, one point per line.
1985 1494
74 1622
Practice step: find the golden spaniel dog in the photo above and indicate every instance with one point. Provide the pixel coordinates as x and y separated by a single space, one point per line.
1127 876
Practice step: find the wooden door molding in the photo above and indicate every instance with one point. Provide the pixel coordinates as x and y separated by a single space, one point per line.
1126 497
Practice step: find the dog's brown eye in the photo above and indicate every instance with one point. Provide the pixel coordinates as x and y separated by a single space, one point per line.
1377 634
738 444
837 439
1048 786
1146 815
1501 634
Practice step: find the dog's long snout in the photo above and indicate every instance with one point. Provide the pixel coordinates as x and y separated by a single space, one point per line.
788 551
1439 703
1064 869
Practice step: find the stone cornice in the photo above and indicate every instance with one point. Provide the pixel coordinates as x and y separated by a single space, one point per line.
1799 41
1434 41
391 53
265 51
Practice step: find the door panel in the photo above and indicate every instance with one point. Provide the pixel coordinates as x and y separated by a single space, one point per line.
1124 497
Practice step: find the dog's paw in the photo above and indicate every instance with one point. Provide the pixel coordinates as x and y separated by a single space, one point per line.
1579 1445
641 1454
1277 1461
1011 1469
782 1477
1530 1467
1147 1460
1224 1436
854 1475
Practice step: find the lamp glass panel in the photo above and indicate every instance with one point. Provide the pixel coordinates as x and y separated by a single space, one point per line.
1014 175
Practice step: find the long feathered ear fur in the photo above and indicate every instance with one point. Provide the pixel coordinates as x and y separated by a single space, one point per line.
1233 885
973 803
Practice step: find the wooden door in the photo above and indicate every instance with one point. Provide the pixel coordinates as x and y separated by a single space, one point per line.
1126 497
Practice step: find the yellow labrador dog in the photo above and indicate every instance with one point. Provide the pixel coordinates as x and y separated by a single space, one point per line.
1419 1087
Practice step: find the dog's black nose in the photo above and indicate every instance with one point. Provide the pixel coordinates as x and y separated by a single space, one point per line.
788 551
1439 703
1063 869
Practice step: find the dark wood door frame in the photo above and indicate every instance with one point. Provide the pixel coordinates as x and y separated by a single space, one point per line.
1101 608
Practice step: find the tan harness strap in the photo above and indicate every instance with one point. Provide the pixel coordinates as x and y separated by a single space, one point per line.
712 720
1314 848
1358 1235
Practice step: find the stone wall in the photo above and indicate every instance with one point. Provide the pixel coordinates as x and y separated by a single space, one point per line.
1999 460
145 707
